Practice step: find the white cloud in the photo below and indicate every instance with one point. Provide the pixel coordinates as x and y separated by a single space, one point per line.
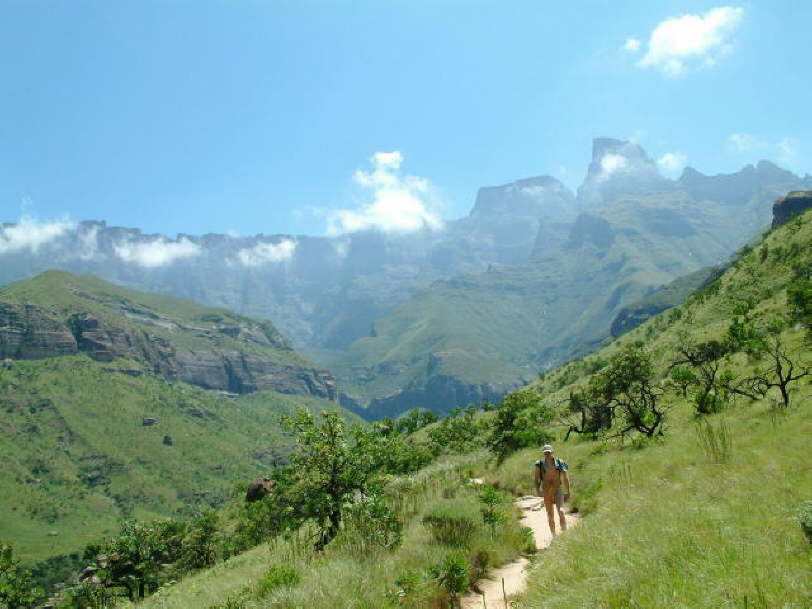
743 142
267 253
399 203
787 150
159 252
691 40
31 234
672 163
611 164
632 45
89 243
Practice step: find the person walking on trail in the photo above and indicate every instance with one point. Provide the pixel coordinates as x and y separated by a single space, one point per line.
550 473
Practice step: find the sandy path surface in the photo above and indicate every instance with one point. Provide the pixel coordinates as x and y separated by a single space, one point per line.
514 573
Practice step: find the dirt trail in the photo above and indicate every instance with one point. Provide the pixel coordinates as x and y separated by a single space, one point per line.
514 574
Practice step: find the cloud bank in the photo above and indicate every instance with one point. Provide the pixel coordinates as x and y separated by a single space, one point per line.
399 203
157 253
672 163
267 253
31 234
611 164
679 43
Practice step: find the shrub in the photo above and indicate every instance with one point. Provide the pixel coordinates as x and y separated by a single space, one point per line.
481 559
451 575
277 577
16 588
805 518
451 523
369 525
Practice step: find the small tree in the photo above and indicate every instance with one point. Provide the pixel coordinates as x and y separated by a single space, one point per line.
682 377
135 558
519 422
452 576
328 467
627 384
588 413
783 367
706 360
16 588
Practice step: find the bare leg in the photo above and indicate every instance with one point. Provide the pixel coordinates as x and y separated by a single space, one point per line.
549 504
562 518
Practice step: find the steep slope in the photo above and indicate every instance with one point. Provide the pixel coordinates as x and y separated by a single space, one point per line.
325 292
476 337
58 313
678 519
86 443
117 403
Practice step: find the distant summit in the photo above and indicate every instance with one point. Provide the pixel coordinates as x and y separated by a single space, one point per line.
618 167
539 196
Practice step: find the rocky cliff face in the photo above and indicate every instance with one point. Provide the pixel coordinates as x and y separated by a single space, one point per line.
791 205
224 352
27 332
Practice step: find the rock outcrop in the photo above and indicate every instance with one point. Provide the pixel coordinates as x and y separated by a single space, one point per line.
789 206
27 332
214 349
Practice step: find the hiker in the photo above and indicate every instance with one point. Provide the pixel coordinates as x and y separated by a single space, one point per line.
549 472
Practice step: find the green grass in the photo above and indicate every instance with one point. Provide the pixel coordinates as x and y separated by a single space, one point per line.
77 458
184 323
343 578
504 326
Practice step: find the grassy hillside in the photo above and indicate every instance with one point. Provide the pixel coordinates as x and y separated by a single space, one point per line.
182 322
78 458
501 328
704 515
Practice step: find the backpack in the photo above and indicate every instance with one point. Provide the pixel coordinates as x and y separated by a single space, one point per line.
559 464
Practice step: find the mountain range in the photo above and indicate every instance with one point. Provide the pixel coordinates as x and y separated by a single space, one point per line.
534 275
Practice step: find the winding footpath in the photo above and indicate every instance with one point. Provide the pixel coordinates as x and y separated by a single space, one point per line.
514 574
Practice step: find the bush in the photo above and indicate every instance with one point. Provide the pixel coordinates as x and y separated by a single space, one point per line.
451 575
451 523
805 518
278 577
16 588
370 525
481 559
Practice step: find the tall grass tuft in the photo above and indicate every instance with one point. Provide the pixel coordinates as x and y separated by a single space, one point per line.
715 441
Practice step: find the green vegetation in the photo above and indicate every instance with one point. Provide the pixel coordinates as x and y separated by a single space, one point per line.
184 323
677 489
692 442
78 457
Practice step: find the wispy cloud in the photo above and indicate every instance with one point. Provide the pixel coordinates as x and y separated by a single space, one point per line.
744 142
672 163
156 253
611 164
632 45
31 234
787 150
267 253
680 43
400 203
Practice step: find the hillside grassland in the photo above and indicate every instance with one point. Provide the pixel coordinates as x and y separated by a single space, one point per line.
704 515
182 322
78 458
504 326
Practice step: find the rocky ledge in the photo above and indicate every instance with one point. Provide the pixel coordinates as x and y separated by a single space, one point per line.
30 332
789 206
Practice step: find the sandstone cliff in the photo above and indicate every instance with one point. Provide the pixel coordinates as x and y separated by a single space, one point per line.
791 205
61 314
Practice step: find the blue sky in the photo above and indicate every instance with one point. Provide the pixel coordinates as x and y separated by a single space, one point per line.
264 116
